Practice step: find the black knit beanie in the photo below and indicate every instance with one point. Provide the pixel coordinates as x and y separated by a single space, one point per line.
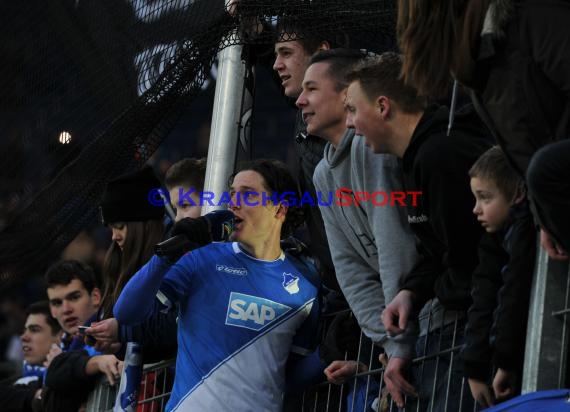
126 198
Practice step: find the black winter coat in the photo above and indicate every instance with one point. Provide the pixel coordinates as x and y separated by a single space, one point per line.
442 220
497 319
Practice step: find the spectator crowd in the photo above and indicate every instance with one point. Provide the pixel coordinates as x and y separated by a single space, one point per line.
473 116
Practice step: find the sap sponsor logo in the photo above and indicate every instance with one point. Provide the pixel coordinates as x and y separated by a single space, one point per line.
251 312
231 271
290 283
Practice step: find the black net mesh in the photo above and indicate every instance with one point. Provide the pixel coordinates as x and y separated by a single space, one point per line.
355 23
90 89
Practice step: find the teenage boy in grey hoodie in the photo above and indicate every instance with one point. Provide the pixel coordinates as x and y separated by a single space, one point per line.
372 246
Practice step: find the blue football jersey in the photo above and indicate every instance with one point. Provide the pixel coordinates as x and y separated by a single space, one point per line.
240 317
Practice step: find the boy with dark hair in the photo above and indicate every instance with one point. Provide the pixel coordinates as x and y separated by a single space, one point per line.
63 272
293 50
38 317
183 177
41 331
74 298
497 319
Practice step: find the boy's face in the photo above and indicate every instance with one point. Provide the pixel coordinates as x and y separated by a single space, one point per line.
291 61
491 206
183 206
72 305
37 339
362 115
321 103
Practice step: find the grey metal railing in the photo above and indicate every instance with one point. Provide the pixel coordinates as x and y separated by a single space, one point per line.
546 359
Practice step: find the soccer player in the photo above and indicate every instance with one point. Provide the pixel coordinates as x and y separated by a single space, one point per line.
247 312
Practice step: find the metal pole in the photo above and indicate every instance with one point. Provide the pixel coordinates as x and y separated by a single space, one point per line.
546 350
225 123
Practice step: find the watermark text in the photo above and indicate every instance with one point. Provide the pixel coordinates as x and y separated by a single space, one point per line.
341 197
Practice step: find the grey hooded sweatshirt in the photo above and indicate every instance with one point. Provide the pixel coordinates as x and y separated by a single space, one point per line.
372 246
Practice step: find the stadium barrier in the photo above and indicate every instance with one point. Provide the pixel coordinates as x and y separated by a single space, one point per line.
546 361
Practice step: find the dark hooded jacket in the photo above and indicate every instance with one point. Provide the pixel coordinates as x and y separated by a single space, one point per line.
437 165
497 320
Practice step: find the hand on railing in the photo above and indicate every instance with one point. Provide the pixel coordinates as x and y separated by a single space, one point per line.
396 383
341 370
108 365
481 393
505 384
553 250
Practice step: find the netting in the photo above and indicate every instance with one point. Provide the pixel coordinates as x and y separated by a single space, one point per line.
91 89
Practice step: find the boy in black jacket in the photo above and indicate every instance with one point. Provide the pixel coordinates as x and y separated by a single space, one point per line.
395 120
497 319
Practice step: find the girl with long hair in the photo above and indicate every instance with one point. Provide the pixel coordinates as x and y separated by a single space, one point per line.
136 227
